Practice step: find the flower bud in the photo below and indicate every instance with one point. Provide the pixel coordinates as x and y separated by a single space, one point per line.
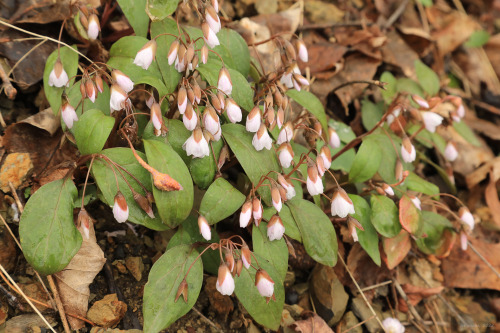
233 111
254 120
238 268
326 156
93 27
182 290
99 83
204 54
211 120
123 80
90 90
431 121
120 208
321 166
286 133
146 55
228 256
182 100
398 171
209 35
84 221
275 228
246 214
246 256
224 83
190 53
420 101
341 204
463 240
196 145
215 4
416 201
222 100
288 186
189 118
302 51
280 117
83 92
466 217
156 118
388 190
317 128
216 103
276 198
314 182
225 282
212 19
144 203
58 76
172 52
118 98
256 210
285 155
204 228
68 114
352 231
261 139
450 152
333 138
264 283
408 152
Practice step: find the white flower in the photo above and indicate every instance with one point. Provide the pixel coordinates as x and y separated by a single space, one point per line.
224 82
209 36
393 115
408 152
288 186
256 210
218 134
276 198
91 91
156 117
261 139
461 110
302 51
321 166
182 100
58 76
233 111
118 98
225 281
246 214
204 54
285 155
280 117
275 228
341 204
68 114
286 133
179 65
149 101
450 152
286 80
120 208
215 4
146 55
212 19
466 217
211 120
392 325
204 228
416 202
93 28
326 156
172 52
123 80
314 182
431 121
420 101
334 140
246 256
190 119
264 283
388 190
463 241
196 145
253 120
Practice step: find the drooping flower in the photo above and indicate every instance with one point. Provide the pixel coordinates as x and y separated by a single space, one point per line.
209 35
94 27
450 152
257 210
334 140
172 52
325 154
196 145
146 55
123 80
189 118
261 139
204 228
288 186
408 152
58 76
156 118
225 281
314 182
254 120
392 325
233 111
276 198
211 120
182 100
302 51
224 82
212 19
420 101
275 228
285 155
341 204
286 133
118 98
416 201
68 114
246 256
387 189
246 214
431 120
120 208
264 283
90 90
466 217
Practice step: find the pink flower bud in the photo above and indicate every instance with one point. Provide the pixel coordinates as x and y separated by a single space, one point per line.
209 35
254 120
90 90
204 228
388 190
286 133
233 111
172 52
182 100
321 166
120 208
334 140
420 101
196 145
275 228
94 27
211 120
314 182
264 283
225 281
123 80
246 214
302 51
215 4
212 19
288 186
325 154
246 256
84 221
256 210
285 155
408 152
156 117
416 201
341 204
276 198
261 139
224 83
352 231
189 118
463 240
68 114
204 54
466 217
450 152
146 55
118 98
218 134
58 76
431 120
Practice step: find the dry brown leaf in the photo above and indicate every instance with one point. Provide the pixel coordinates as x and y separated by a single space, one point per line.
396 52
491 197
478 175
73 282
45 120
452 30
311 325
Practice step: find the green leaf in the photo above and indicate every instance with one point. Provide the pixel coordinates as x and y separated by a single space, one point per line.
410 216
426 3
311 103
386 169
48 235
136 15
371 113
268 315
242 92
159 308
276 251
427 78
291 229
203 169
189 233
170 75
220 201
409 86
433 226
478 39
318 234
368 239
69 60
466 133
122 55
255 163
157 10
101 102
173 206
415 183
106 182
92 131
385 216
238 49
176 136
344 161
366 162
344 131
390 88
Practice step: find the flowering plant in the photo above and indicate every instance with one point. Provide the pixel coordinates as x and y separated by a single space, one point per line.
202 118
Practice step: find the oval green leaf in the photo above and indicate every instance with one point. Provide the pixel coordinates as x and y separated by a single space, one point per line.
276 251
92 131
48 235
311 103
427 78
138 19
203 169
416 183
433 227
220 201
159 9
366 162
385 216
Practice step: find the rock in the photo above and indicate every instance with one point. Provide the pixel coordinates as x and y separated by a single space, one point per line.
286 321
252 328
322 12
120 266
349 320
266 6
328 294
27 323
15 169
362 311
135 267
107 312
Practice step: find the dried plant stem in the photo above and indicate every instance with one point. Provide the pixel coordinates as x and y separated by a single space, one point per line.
26 298
16 198
359 324
211 323
10 91
377 285
360 291
60 306
377 83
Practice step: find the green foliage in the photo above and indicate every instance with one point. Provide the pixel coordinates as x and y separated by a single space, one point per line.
220 201
427 78
92 131
371 113
276 251
47 232
417 184
366 162
311 103
159 308
138 19
478 39
466 133
157 10
203 169
433 226
384 216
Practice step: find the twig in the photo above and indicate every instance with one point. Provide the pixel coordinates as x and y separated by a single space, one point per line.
332 25
361 292
377 285
60 306
16 198
397 13
211 323
405 298
10 91
26 298
359 324
432 317
377 83
483 259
